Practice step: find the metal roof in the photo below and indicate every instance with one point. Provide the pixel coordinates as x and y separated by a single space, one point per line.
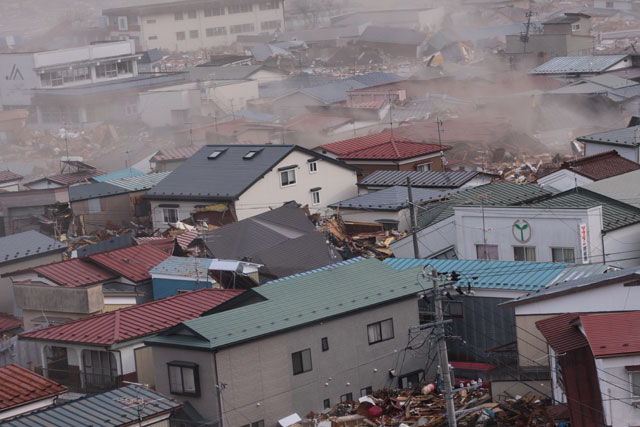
133 262
579 64
300 300
116 186
612 334
124 173
139 183
180 153
504 275
392 35
136 321
561 334
387 178
30 243
600 166
112 408
392 198
74 272
75 177
383 145
626 137
7 175
8 322
229 72
20 386
117 242
196 268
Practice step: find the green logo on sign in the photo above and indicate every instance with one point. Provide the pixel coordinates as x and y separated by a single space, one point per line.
522 231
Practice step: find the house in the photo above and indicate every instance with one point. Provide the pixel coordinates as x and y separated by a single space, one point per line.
112 203
192 25
99 352
24 391
585 170
126 406
9 326
624 141
616 89
619 187
308 341
624 5
596 358
259 73
9 181
577 67
176 275
577 226
386 151
74 171
283 240
433 180
33 210
397 42
80 287
24 250
169 159
240 181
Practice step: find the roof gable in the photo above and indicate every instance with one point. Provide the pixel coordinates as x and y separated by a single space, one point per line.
561 334
384 145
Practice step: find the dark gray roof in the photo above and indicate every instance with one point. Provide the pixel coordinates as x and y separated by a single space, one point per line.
231 72
117 242
392 35
150 56
579 64
225 177
437 179
92 191
392 199
626 137
23 245
562 20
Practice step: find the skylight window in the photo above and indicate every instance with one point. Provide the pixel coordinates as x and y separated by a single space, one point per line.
216 154
251 154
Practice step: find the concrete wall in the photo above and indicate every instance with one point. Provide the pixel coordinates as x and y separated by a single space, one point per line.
431 240
630 153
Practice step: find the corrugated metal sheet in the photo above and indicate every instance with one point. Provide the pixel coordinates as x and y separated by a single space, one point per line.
579 64
627 137
612 334
20 386
136 321
174 154
389 178
186 267
185 239
74 272
141 182
26 244
133 262
8 322
382 145
560 334
124 173
114 408
392 198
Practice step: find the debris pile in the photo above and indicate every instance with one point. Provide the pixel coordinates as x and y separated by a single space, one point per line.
365 239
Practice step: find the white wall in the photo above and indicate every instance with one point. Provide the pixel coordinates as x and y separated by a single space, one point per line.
17 78
233 97
630 153
615 388
431 240
564 180
156 106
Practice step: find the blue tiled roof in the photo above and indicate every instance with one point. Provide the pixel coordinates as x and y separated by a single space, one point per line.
195 268
504 275
124 173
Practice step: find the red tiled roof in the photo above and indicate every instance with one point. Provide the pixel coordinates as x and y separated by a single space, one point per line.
601 165
19 386
133 262
7 175
8 322
74 178
384 145
314 122
74 272
561 334
612 334
175 154
185 239
164 243
136 321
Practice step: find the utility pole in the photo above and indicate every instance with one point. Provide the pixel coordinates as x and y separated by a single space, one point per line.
412 211
442 350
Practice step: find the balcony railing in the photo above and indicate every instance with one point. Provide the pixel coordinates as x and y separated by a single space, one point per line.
83 382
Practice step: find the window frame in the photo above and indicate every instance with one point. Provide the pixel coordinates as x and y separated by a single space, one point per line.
420 167
269 5
575 27
178 14
481 245
315 198
164 215
634 397
211 11
215 31
180 34
446 309
313 167
564 259
367 391
525 253
192 14
347 397
192 36
326 403
241 8
379 325
289 184
293 365
196 377
324 343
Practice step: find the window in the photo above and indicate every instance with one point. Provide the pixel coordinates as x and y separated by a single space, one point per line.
424 167
100 368
326 404
411 379
216 31
366 391
269 4
123 24
178 16
241 28
452 308
183 378
94 205
313 167
446 254
380 331
609 5
214 11
635 384
563 255
575 27
487 252
524 253
151 21
153 37
107 70
193 34
170 214
180 35
325 343
192 14
301 361
315 197
256 424
270 25
288 177
346 398
251 154
125 67
240 8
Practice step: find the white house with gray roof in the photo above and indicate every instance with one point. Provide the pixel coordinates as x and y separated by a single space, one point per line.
625 141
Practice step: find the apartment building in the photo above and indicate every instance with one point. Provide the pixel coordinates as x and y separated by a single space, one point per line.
193 24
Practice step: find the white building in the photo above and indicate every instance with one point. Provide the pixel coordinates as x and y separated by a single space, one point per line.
190 24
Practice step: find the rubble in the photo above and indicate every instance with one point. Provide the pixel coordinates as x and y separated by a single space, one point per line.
368 240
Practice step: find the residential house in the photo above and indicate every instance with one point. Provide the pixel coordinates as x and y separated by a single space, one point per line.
396 42
9 181
283 240
80 287
613 88
434 180
386 151
101 351
577 67
240 181
170 159
24 250
621 187
597 363
259 73
74 171
585 170
113 407
624 141
112 203
192 25
624 5
24 391
176 275
307 342
574 226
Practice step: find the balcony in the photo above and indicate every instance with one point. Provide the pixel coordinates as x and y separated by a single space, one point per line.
60 299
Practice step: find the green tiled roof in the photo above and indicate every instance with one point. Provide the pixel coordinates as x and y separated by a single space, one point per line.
499 194
615 214
298 300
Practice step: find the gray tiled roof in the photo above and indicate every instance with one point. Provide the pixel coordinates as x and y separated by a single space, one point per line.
579 64
392 198
115 186
27 244
384 178
627 137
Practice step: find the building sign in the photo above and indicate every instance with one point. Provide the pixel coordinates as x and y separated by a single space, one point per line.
15 74
584 244
123 24
521 231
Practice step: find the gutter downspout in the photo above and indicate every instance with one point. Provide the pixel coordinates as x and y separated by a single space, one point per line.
218 389
604 255
121 367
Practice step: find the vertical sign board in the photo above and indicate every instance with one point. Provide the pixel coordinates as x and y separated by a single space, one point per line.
123 24
584 244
